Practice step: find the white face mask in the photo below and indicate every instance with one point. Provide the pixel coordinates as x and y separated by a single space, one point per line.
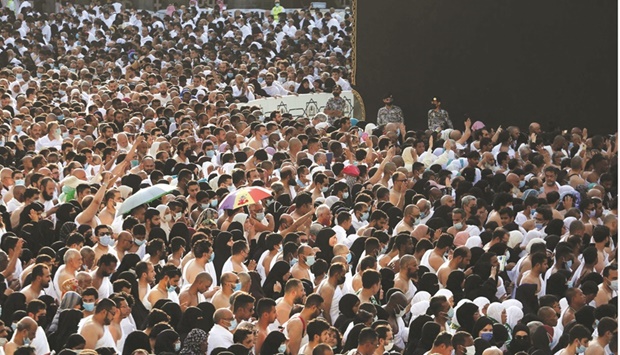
388 346
470 350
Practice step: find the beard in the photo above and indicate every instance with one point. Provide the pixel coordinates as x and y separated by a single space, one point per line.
46 197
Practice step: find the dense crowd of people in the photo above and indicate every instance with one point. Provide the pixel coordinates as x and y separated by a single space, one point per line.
371 238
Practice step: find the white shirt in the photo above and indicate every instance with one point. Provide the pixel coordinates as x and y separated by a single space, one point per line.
219 337
12 205
228 266
40 342
341 234
46 142
275 89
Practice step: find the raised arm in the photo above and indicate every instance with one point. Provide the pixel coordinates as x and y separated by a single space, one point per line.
466 134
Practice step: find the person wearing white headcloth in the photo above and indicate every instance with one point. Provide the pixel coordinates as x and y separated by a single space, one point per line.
513 316
497 312
516 237
528 237
567 223
473 241
166 218
482 303
447 294
418 309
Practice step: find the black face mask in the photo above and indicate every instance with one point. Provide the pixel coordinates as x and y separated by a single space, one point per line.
517 345
42 322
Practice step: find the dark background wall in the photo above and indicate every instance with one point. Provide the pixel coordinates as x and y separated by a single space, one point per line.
503 62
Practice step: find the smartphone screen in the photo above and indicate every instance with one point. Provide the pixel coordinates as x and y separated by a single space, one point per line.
330 156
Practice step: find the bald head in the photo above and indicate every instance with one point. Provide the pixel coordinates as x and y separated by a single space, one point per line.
79 173
222 315
27 323
228 277
203 277
513 179
340 249
405 260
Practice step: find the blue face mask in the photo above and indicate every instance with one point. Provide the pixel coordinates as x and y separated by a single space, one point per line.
210 153
212 257
486 336
237 287
260 216
89 306
324 189
233 325
300 183
345 195
533 212
171 289
18 129
365 216
293 262
569 264
281 348
204 206
214 203
422 214
581 349
60 118
539 226
139 242
349 256
177 347
521 184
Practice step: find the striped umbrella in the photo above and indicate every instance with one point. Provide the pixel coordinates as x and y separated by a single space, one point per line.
243 197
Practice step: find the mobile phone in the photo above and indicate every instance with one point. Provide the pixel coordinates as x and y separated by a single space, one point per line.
330 157
364 136
502 262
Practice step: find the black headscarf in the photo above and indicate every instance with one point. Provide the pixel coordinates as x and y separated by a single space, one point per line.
192 318
454 282
526 294
415 332
255 288
222 251
430 330
165 341
136 340
556 285
479 325
173 310
345 305
272 343
67 324
207 313
322 242
465 316
429 283
516 345
276 274
129 262
16 301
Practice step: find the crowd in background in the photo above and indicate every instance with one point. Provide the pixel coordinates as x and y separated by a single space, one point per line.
407 235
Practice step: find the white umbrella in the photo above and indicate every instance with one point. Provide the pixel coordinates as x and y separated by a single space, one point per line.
144 196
